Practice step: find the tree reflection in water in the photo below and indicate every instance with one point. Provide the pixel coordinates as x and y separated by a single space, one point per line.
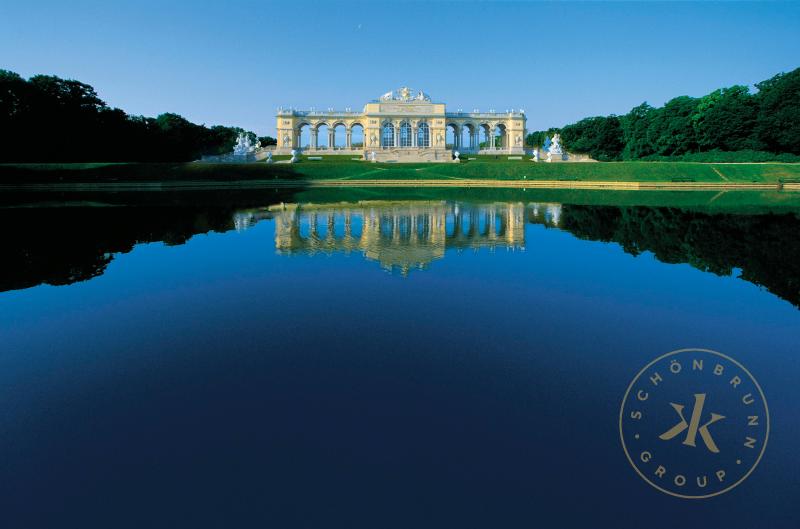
62 245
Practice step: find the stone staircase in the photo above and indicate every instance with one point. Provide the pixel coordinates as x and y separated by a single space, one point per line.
406 155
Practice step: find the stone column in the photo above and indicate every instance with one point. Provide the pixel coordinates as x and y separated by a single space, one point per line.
313 145
312 226
348 138
330 230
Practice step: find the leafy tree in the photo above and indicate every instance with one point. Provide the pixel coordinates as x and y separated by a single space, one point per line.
670 131
725 119
600 137
634 132
778 119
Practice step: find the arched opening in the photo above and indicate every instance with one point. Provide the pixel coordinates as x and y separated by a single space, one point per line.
467 140
405 134
485 139
339 136
423 135
321 137
356 136
387 135
500 137
451 136
304 136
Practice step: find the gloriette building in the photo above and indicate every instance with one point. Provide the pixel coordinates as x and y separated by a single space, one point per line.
401 125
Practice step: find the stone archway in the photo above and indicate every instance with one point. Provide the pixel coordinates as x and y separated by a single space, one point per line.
468 141
302 138
339 136
500 136
485 137
320 136
452 135
355 136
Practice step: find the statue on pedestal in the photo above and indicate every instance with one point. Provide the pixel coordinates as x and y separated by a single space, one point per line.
555 146
243 146
555 153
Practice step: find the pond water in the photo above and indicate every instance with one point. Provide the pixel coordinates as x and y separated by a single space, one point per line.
284 359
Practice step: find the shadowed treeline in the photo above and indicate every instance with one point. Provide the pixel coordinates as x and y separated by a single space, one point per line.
49 119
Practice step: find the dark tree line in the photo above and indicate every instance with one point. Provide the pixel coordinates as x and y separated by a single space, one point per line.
729 124
49 119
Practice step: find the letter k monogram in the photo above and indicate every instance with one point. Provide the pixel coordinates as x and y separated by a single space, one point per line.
693 426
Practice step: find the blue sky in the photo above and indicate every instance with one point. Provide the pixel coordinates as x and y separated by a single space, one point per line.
234 62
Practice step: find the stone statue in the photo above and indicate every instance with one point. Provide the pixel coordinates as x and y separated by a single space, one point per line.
422 96
294 156
373 140
456 154
555 146
286 140
388 96
243 146
372 156
535 154
546 144
269 157
405 93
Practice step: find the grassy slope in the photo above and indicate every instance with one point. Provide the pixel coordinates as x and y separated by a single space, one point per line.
345 168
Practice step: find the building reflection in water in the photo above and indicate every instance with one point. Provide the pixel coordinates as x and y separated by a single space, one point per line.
401 236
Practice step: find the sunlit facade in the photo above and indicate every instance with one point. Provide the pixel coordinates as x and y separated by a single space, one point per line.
401 125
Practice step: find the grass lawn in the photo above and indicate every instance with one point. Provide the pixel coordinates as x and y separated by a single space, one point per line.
344 168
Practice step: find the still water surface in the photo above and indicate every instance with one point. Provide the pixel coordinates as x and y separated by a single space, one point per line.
376 363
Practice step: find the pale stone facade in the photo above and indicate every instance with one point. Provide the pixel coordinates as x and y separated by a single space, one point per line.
404 126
